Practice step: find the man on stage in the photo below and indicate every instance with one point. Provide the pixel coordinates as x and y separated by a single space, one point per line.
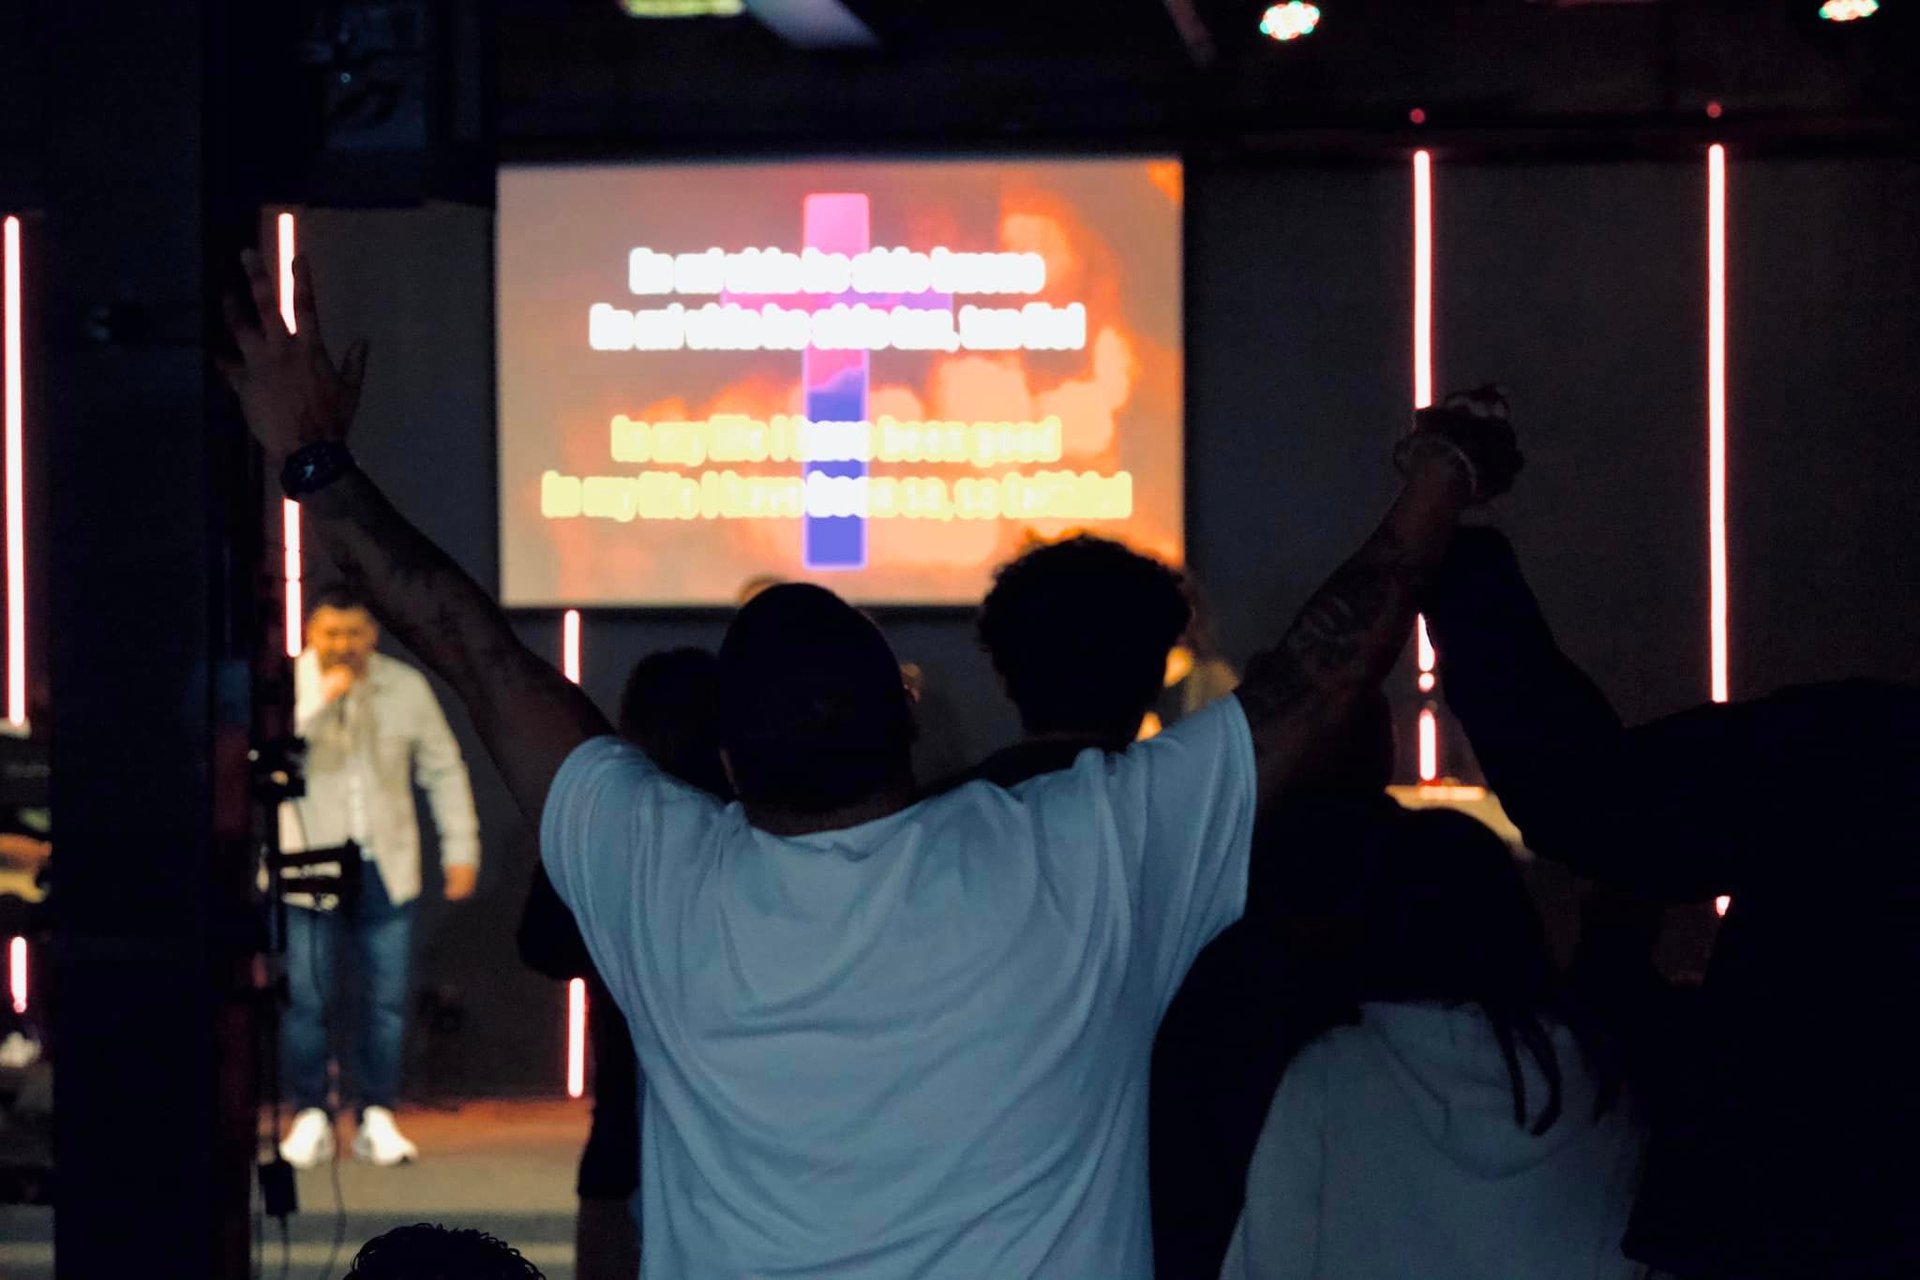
373 728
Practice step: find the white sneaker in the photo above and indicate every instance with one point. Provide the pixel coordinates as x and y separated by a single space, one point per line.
310 1141
18 1052
380 1140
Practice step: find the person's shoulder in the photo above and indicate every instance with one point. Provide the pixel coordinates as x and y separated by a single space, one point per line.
400 677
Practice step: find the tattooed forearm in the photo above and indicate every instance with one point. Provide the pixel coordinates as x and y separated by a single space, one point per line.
1351 630
527 713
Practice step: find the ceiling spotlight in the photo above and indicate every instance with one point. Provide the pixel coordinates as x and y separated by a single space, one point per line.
1294 19
1848 10
683 8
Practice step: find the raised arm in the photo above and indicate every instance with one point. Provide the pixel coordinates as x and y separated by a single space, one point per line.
527 714
1353 628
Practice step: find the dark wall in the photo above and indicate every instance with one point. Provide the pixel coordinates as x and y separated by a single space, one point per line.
1579 287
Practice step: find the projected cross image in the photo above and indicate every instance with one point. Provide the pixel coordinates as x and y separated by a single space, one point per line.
949 360
836 380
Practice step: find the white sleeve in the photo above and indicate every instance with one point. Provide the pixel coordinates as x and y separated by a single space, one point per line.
1183 804
611 824
1278 1235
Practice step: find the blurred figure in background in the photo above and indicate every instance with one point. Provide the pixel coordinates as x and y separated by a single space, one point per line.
374 730
1266 986
1784 1141
670 710
1469 1125
1079 632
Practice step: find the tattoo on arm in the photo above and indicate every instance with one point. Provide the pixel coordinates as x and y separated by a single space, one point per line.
1347 637
527 713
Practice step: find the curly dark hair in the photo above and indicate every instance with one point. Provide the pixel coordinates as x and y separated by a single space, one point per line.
1079 631
427 1252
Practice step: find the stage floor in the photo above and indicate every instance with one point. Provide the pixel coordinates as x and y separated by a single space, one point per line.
504 1167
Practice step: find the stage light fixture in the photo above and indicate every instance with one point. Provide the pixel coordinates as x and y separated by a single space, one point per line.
1290 21
683 8
1849 10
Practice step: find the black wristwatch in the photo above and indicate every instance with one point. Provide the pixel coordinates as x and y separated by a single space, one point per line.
313 467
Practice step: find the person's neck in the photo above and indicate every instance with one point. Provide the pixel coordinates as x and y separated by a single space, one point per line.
780 820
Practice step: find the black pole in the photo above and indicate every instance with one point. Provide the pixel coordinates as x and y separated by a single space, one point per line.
164 134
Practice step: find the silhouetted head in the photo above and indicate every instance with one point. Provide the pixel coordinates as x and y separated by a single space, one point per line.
1079 631
424 1252
670 709
813 714
1448 920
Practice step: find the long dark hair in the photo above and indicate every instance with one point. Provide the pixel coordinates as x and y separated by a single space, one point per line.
1448 919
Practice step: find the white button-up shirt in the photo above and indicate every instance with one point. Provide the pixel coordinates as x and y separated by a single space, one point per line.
365 751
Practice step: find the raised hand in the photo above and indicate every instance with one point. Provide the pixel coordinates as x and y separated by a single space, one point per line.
1468 429
289 388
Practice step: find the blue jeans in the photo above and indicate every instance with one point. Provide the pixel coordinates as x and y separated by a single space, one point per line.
381 935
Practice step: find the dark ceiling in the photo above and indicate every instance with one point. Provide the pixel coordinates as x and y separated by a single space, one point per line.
1119 69
463 82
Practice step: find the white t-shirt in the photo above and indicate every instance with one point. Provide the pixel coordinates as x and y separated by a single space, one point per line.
916 1047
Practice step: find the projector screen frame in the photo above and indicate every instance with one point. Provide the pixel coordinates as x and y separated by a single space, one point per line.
573 156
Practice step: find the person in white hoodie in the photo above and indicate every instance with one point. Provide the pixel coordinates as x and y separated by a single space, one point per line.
1468 1124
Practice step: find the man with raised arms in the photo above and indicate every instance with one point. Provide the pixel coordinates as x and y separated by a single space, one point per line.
882 1037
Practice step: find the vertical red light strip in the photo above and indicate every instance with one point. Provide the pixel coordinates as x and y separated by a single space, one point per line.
1717 417
576 1037
294 619
570 645
290 536
283 243
1422 280
1429 728
11 376
577 988
17 973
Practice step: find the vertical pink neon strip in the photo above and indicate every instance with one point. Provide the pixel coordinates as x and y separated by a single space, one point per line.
1429 745
294 619
17 973
283 238
1717 418
1429 727
1422 280
576 1037
11 375
576 989
570 645
290 572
